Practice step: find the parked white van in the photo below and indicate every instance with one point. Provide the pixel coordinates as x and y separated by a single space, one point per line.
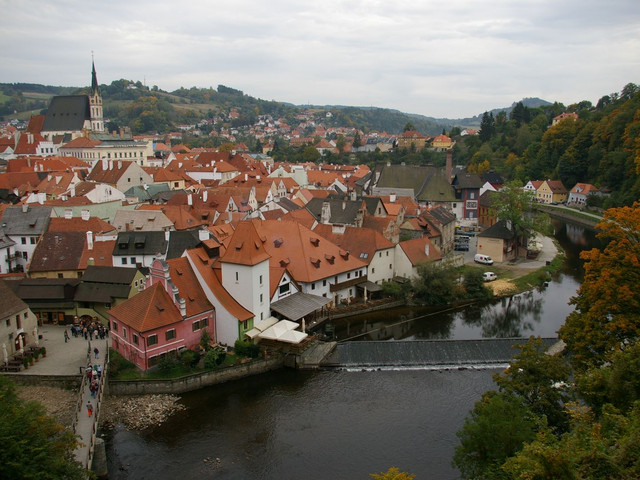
485 259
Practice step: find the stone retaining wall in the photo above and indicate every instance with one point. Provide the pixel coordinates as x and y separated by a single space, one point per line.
194 381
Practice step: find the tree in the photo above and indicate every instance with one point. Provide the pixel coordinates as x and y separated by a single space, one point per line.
409 127
33 444
357 141
540 380
487 127
340 143
497 429
607 315
310 154
434 284
393 474
515 206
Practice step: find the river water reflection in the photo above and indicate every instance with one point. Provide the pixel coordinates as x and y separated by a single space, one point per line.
337 424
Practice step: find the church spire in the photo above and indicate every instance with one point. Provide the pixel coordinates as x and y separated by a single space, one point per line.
94 77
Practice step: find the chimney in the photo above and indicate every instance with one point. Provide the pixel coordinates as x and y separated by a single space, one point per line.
89 240
85 215
230 217
42 197
190 200
49 177
68 213
426 249
105 164
73 190
449 165
119 164
183 306
205 195
325 215
392 198
121 132
167 234
110 164
25 208
203 234
246 177
344 202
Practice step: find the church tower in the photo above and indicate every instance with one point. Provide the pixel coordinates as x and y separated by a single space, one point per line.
95 101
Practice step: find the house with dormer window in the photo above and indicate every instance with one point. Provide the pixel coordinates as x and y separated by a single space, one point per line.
167 316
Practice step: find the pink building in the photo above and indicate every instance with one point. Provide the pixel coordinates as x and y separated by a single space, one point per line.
170 314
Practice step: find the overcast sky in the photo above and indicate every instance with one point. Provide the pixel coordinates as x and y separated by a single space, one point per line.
436 58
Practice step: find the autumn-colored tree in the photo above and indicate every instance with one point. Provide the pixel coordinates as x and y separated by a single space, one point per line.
393 474
607 313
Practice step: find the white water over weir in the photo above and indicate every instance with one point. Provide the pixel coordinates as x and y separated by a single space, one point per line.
489 352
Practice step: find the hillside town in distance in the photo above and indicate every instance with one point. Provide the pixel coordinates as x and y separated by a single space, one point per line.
158 242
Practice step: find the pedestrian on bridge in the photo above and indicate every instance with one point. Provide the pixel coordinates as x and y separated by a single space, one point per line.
96 351
89 408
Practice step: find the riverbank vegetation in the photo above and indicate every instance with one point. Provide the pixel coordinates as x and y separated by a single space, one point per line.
576 414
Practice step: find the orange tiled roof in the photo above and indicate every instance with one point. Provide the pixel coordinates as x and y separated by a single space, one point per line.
76 224
184 278
102 254
415 250
201 261
150 309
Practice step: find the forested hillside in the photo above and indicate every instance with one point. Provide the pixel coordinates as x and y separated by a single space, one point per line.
601 147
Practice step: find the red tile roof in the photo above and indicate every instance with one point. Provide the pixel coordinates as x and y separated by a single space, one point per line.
185 279
148 310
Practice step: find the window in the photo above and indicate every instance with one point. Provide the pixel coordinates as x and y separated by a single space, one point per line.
60 275
390 267
114 326
284 288
260 279
152 340
25 255
32 240
237 276
324 283
387 253
245 324
261 298
8 322
348 275
124 333
135 339
123 260
313 286
170 334
23 240
373 270
133 260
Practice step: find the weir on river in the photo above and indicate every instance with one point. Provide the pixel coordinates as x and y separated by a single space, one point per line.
426 353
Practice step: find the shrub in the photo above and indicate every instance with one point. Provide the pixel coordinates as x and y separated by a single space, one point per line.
214 357
246 349
167 363
117 363
190 358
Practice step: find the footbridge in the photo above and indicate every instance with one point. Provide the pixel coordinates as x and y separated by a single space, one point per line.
490 352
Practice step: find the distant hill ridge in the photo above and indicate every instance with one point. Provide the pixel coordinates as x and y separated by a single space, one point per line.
21 99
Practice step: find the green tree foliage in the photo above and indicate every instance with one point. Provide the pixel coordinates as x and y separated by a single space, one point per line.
474 285
487 127
608 301
604 447
310 154
497 429
516 207
540 380
33 444
435 284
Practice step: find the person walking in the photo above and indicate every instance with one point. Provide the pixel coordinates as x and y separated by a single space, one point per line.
96 351
89 408
66 336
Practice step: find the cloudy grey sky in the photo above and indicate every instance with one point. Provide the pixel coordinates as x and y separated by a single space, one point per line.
436 58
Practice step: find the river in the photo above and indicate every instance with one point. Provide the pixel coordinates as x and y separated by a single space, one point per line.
337 424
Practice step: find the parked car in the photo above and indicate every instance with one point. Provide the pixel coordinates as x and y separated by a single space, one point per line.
489 276
484 259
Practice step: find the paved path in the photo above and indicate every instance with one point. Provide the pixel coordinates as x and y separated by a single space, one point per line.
62 358
86 426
